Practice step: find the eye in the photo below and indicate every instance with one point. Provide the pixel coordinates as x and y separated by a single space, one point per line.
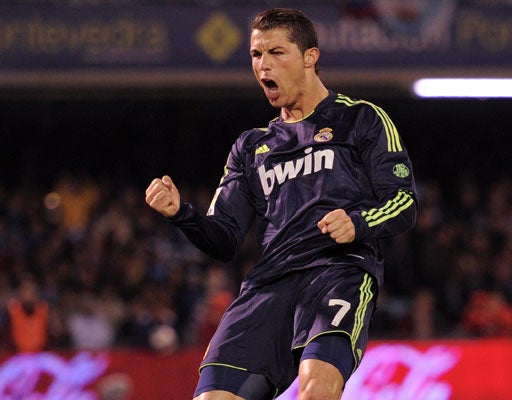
276 51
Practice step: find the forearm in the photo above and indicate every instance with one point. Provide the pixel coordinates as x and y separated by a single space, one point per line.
396 216
207 233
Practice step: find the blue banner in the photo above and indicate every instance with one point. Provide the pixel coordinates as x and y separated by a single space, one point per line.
360 35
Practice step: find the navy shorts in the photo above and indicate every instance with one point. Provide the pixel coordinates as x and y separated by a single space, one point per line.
267 327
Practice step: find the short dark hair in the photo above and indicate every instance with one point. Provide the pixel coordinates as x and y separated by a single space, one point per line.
301 30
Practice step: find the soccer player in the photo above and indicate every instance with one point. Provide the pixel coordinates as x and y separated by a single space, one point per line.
323 182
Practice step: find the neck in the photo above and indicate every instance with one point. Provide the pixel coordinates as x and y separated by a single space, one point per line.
306 103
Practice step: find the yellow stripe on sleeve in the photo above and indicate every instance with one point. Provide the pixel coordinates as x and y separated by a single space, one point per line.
402 201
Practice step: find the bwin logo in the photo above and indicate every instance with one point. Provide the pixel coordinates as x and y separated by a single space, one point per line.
312 162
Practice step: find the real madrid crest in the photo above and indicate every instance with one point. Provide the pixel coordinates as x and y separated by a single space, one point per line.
323 135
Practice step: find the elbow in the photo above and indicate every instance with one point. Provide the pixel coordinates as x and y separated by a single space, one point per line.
224 253
408 214
413 215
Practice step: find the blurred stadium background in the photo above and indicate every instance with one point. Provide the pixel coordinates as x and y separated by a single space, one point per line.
98 97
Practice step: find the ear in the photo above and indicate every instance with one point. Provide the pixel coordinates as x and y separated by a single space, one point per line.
311 57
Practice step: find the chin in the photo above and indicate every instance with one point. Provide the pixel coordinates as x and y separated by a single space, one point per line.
277 103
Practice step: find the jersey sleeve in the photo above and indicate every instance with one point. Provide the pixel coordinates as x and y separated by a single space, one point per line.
390 173
221 232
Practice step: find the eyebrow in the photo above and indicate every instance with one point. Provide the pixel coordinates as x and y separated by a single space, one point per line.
271 49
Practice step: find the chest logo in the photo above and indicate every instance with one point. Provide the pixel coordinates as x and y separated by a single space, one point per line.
312 162
323 135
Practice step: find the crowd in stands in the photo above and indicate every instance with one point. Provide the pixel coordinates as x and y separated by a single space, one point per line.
452 274
86 264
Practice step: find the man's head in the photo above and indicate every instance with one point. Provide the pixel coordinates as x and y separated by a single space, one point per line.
284 56
300 29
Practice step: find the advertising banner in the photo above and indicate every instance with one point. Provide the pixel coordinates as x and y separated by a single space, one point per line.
433 370
450 370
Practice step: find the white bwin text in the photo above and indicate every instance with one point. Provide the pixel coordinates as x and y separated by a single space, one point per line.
312 162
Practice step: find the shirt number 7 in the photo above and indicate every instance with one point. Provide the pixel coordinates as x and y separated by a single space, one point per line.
344 308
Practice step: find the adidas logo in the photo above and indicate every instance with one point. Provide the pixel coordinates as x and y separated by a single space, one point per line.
262 149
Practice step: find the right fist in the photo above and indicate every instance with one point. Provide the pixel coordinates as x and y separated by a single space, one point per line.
163 196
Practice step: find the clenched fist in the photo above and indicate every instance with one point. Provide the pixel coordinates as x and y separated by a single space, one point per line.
163 196
339 225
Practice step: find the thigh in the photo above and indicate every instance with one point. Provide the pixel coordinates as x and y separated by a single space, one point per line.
333 349
221 382
319 380
255 334
337 300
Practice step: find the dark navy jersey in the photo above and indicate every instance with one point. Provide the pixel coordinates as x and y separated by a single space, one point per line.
346 154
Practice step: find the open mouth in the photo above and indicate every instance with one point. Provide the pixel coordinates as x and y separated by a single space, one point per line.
271 89
270 84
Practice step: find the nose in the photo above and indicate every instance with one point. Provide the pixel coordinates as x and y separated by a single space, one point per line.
264 62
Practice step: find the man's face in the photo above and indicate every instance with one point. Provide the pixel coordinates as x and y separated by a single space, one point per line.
278 66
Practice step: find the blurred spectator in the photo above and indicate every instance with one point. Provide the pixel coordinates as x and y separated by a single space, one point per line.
151 322
217 297
89 328
423 315
115 386
467 207
113 227
501 272
78 197
28 315
111 306
163 337
139 323
488 315
499 206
